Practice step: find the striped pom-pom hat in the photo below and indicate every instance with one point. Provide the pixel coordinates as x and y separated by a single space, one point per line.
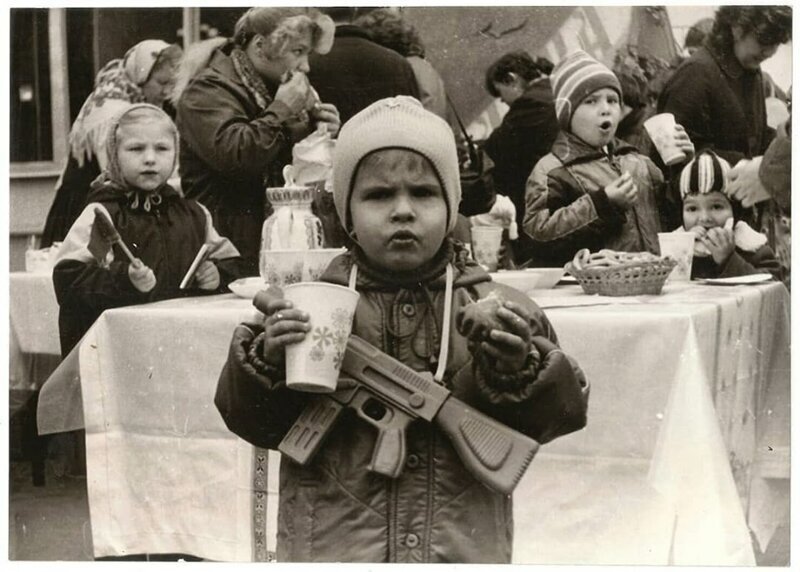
575 77
704 174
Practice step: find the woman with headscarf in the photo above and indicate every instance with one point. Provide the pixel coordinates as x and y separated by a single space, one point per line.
145 74
245 104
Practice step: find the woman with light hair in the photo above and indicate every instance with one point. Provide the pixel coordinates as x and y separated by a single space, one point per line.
145 74
241 106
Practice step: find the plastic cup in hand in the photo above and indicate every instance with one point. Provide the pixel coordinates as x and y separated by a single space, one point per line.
313 365
661 129
486 242
680 246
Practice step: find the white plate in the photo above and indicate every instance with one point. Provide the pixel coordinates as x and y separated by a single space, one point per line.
530 278
248 287
733 280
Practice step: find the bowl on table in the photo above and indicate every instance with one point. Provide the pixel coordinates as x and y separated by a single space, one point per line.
248 287
529 278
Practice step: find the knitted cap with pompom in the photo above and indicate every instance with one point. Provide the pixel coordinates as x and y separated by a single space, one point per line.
704 174
575 77
395 123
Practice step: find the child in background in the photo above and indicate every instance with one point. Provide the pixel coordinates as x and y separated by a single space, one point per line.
725 245
593 190
397 192
163 230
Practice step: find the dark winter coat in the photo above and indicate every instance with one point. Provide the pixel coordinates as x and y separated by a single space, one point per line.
166 239
358 72
334 509
740 263
231 151
567 208
720 104
524 136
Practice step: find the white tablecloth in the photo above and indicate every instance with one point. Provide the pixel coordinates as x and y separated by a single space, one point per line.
34 347
34 312
677 416
679 381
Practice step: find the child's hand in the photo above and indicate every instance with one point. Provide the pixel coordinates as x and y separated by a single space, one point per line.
719 242
207 276
699 231
622 192
683 141
141 276
284 325
510 347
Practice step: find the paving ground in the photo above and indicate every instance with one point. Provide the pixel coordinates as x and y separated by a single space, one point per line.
49 522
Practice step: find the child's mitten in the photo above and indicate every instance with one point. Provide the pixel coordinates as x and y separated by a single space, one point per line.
141 276
207 276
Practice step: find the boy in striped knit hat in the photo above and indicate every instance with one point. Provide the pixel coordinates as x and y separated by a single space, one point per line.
725 245
592 190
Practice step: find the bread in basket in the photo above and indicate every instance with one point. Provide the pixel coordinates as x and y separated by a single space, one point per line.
613 273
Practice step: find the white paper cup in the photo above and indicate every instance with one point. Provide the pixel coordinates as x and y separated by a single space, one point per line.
661 129
313 365
281 267
486 242
316 261
680 246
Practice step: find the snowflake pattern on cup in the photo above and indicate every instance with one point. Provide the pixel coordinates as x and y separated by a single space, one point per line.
335 337
283 276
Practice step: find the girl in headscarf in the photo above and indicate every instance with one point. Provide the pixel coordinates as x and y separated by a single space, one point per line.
144 74
163 231
245 104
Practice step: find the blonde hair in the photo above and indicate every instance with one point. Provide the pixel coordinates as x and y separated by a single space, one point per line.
131 117
282 25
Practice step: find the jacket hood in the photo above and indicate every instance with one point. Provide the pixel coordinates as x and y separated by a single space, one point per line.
569 148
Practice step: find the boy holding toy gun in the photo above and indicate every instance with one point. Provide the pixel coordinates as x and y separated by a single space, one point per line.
425 304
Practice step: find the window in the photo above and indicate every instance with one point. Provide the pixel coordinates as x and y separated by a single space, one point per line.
31 110
39 98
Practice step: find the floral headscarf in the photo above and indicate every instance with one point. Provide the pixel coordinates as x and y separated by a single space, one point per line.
118 84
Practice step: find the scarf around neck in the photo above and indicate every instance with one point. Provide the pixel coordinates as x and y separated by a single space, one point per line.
250 78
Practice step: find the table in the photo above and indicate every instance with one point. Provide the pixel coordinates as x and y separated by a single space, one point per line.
674 462
687 390
34 352
33 313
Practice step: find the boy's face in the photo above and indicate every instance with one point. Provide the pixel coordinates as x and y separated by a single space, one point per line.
595 119
146 153
707 210
397 209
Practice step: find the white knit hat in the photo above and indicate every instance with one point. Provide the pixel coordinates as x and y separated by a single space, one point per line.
575 77
395 123
704 174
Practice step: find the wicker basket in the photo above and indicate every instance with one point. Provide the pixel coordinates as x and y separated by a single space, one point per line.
625 279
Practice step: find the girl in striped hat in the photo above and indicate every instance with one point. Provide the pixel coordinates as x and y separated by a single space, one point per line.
725 244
